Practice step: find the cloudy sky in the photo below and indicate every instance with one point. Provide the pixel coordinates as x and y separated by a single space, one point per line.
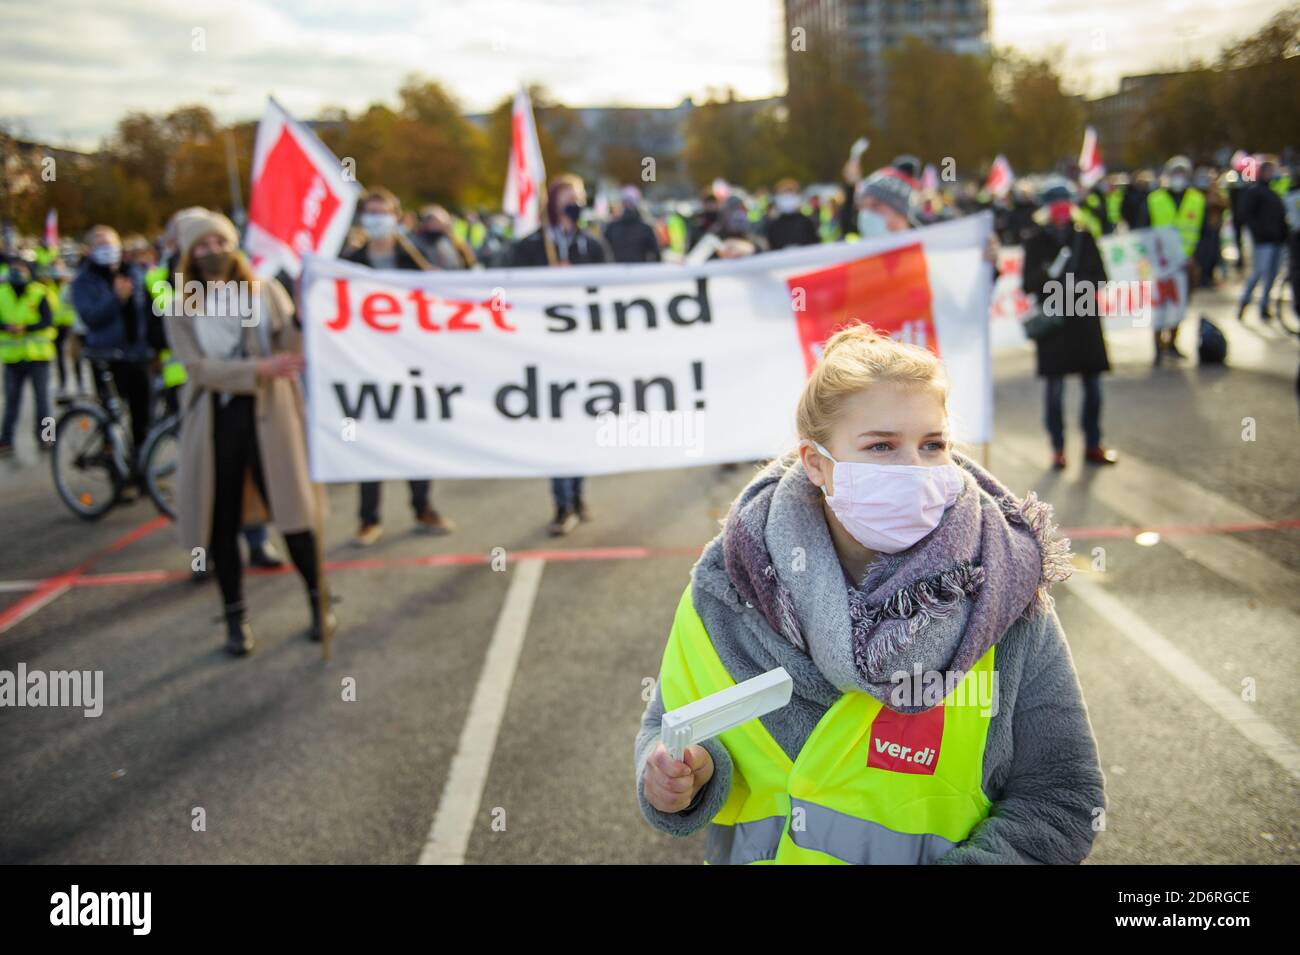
69 69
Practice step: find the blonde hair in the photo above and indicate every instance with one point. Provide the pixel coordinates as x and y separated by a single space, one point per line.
854 358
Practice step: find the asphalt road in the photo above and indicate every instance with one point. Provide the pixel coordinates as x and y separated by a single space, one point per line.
495 710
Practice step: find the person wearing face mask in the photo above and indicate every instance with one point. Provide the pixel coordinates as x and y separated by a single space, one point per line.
27 335
113 302
629 237
561 242
569 243
437 240
1060 257
1263 215
261 552
919 577
885 203
242 444
386 248
1179 204
790 226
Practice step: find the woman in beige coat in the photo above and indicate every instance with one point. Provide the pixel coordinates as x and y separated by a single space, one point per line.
243 447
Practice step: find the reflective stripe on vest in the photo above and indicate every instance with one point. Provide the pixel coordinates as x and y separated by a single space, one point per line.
855 794
1187 217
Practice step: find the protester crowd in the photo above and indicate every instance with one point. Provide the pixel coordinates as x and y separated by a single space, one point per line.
239 390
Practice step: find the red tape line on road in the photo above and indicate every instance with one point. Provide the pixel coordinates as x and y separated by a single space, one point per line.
46 590
51 588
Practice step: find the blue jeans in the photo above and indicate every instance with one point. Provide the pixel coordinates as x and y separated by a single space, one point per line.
1091 410
38 373
567 492
1264 264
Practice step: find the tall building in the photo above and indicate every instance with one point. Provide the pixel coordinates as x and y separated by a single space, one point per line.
857 34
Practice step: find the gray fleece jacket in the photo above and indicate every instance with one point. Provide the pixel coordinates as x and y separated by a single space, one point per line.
1041 768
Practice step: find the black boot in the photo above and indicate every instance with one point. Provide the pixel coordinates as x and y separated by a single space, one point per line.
319 628
239 636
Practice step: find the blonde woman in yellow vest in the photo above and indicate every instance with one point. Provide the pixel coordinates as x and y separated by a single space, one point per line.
936 715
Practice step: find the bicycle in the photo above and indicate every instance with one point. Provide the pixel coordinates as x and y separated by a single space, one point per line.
93 459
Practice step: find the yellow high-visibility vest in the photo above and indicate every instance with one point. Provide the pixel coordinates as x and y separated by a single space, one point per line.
869 786
1188 217
34 345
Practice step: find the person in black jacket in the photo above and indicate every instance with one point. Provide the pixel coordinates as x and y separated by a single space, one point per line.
387 248
790 226
1263 214
572 245
630 237
568 245
1061 263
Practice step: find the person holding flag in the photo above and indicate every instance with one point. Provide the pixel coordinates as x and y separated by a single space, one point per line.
386 248
1095 208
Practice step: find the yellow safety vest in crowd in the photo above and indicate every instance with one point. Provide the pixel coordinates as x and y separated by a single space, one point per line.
1115 204
35 345
1091 211
477 234
855 794
159 285
65 316
1188 217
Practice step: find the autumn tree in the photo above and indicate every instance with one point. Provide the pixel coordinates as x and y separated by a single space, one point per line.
1039 125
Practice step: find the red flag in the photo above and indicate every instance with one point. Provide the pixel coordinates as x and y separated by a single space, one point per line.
1091 168
1000 177
525 175
301 199
52 229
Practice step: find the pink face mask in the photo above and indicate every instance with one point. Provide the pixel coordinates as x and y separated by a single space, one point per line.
889 507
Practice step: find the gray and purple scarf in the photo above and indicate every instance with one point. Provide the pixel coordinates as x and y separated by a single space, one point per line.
937 606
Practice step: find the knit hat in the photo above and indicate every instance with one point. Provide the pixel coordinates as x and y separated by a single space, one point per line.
1178 163
1055 189
196 224
891 187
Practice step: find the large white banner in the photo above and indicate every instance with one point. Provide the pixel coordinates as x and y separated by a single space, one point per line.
608 368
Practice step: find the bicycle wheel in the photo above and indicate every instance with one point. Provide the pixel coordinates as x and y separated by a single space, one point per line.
86 462
158 464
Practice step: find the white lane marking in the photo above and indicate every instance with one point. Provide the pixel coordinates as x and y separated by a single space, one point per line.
18 586
1149 495
1240 715
458 807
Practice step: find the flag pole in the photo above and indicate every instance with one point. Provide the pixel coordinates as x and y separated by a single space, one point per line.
547 239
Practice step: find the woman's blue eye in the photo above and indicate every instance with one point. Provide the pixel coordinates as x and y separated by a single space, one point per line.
881 446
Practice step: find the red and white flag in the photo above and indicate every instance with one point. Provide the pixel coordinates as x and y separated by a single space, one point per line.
52 229
1091 168
301 200
1000 177
525 175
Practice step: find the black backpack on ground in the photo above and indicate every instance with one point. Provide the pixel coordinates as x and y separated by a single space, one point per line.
1212 346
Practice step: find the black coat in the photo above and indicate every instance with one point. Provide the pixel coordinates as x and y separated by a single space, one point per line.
791 228
584 249
1079 347
402 258
1261 211
632 239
